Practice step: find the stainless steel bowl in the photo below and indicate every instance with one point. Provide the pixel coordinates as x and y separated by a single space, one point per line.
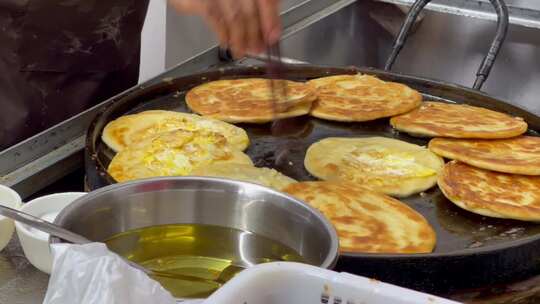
210 201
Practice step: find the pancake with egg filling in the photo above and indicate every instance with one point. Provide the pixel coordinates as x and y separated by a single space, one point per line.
262 176
367 221
174 153
382 164
249 100
491 193
361 98
518 155
128 129
437 119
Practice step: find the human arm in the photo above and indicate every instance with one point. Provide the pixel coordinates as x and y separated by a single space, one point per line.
245 26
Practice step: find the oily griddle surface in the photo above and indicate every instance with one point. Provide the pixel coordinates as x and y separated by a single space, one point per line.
284 150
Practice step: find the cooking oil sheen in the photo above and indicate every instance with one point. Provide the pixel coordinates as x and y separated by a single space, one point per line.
197 259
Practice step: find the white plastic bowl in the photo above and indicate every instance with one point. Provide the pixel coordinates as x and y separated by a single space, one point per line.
8 198
35 243
283 282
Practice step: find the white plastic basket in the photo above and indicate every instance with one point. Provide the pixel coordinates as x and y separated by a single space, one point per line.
284 283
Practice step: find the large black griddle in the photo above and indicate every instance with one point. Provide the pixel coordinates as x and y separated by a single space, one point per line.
472 250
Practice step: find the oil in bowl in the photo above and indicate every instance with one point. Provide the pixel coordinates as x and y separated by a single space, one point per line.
193 260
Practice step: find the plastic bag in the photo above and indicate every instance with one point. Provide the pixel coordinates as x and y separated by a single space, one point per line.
91 274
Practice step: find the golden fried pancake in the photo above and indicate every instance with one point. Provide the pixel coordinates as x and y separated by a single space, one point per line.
263 176
382 164
249 100
128 129
361 98
458 121
518 155
173 153
367 221
491 193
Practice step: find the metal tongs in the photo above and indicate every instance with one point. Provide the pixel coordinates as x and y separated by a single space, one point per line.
275 71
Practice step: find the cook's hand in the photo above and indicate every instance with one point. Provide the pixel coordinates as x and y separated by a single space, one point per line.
242 25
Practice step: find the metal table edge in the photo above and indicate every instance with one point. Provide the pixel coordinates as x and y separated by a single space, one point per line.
479 9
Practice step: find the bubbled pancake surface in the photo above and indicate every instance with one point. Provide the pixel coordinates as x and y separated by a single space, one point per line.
249 100
128 129
174 153
439 119
517 155
361 98
491 193
387 165
263 176
367 221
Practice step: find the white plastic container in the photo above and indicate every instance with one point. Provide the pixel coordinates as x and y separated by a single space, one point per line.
8 198
35 243
281 282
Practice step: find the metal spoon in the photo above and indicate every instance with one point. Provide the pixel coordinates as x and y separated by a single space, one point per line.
44 226
75 238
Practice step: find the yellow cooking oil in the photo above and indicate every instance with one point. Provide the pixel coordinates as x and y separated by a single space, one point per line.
192 260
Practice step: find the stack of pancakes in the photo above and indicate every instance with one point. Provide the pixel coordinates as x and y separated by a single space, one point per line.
494 169
167 143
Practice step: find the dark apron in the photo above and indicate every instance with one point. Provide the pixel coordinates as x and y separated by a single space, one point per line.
58 58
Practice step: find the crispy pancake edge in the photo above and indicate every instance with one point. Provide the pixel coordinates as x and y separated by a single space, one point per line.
116 141
298 107
492 208
480 162
402 123
298 110
281 179
426 247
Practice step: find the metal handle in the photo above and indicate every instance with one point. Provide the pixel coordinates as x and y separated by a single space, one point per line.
266 59
225 55
485 68
42 225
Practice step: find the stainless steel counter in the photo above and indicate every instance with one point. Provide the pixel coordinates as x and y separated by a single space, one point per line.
20 282
530 4
445 46
522 12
